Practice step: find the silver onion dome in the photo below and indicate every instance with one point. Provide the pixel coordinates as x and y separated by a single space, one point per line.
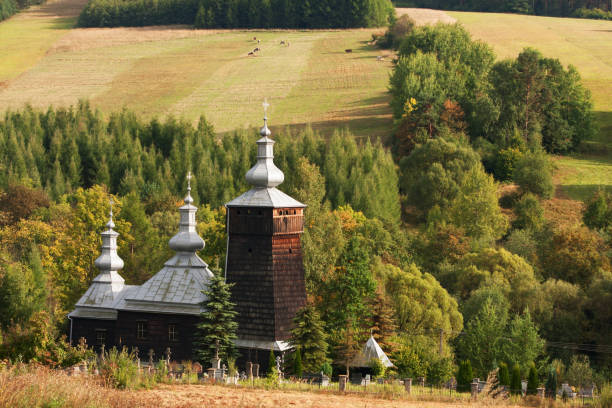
265 174
108 259
187 239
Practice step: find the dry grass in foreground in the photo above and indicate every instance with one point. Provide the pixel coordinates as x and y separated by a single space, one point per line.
37 386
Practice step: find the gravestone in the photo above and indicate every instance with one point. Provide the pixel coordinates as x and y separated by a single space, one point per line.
256 369
408 385
342 382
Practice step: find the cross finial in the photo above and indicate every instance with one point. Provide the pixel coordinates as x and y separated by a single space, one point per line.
111 202
189 176
266 105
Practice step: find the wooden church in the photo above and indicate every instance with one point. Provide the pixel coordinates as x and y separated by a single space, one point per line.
264 262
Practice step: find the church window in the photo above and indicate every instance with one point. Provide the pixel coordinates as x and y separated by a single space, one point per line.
100 337
172 332
141 330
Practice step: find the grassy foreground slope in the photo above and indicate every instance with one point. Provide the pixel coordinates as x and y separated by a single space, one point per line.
586 44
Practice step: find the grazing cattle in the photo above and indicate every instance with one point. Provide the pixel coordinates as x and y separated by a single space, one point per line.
257 49
348 50
254 38
258 41
380 58
251 53
282 42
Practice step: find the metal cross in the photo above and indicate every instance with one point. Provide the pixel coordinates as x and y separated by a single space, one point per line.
189 180
111 207
266 105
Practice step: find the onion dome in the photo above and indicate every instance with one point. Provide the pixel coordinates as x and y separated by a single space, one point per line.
265 174
108 260
187 239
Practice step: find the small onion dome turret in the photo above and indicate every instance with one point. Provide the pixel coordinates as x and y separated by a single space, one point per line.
109 260
265 174
187 239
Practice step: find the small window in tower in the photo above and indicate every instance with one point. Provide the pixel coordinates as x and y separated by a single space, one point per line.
172 332
141 330
100 337
290 250
238 211
294 212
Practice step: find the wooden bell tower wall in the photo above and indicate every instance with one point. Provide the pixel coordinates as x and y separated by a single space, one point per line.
265 264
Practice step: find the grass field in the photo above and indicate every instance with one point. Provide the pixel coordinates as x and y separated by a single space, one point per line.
158 71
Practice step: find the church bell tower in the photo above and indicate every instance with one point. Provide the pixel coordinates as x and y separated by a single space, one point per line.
264 256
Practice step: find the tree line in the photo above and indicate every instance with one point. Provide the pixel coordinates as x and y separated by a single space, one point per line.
238 13
10 7
559 8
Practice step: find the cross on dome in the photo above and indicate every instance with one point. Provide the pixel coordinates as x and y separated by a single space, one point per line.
110 224
188 199
264 131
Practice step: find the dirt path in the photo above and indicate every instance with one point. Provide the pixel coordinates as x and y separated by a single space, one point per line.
426 16
187 396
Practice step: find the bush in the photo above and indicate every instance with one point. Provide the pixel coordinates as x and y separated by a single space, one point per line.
378 369
297 363
464 376
7 9
598 213
594 13
605 397
515 380
119 369
503 375
396 33
533 174
327 369
529 213
532 381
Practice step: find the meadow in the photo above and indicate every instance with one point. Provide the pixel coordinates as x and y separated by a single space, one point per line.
176 70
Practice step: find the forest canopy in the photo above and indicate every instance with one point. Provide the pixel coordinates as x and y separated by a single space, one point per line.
238 13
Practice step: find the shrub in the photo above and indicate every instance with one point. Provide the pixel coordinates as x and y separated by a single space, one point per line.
119 369
398 30
529 213
327 369
605 397
598 213
594 13
378 369
7 9
533 174
532 381
297 363
515 380
464 376
504 375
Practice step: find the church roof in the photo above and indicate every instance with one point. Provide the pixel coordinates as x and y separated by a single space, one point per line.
176 288
264 176
370 351
264 197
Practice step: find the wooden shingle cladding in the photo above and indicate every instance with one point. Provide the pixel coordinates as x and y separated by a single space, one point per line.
88 328
265 265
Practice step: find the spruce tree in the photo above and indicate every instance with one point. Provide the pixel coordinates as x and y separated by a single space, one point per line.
551 384
532 381
309 336
217 327
383 325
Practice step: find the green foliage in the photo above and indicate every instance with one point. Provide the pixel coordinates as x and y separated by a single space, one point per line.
515 380
579 372
525 344
464 376
237 13
297 363
377 367
503 374
119 369
7 9
574 254
217 326
418 356
551 383
533 174
447 179
272 363
533 382
309 337
420 303
326 369
598 212
529 213
397 31
593 13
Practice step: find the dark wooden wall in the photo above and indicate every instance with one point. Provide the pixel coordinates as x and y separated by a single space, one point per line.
157 336
86 328
265 266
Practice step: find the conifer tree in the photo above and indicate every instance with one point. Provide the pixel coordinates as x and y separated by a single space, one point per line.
309 336
532 381
383 326
504 375
551 383
217 327
515 381
464 376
